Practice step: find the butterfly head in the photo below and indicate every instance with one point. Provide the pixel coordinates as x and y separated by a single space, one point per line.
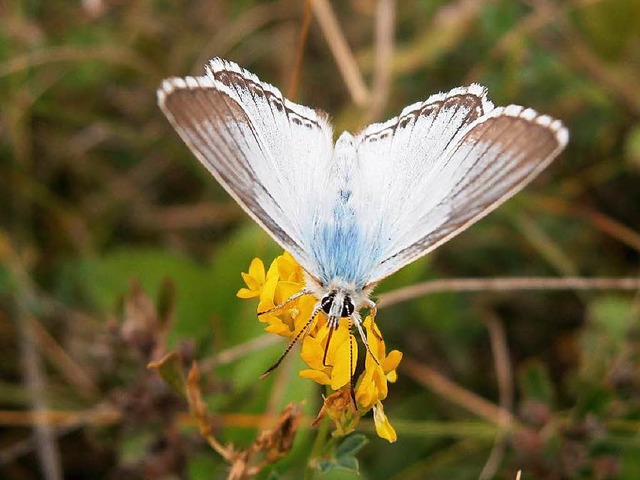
337 298
337 303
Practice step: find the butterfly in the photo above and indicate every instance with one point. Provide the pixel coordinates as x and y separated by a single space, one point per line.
355 211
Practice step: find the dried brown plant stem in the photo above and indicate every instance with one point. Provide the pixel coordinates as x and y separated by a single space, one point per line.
598 220
444 387
447 29
34 374
63 361
60 422
238 351
505 284
546 246
52 55
199 411
35 380
341 52
180 217
385 33
504 375
103 414
294 82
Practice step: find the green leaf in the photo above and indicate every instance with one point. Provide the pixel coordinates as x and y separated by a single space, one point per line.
611 315
344 464
324 465
351 445
349 463
170 370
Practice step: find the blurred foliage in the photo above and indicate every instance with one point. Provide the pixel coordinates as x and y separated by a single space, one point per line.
116 247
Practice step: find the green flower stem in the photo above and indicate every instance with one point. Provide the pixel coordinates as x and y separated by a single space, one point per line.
320 445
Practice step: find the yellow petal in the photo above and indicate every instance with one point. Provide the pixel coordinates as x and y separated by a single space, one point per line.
278 328
376 343
288 269
383 427
303 314
288 260
272 273
267 295
315 375
263 306
312 353
341 373
246 293
285 290
338 339
322 330
380 381
366 392
252 282
392 361
256 270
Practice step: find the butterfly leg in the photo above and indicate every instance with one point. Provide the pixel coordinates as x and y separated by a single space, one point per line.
357 319
352 391
333 326
300 334
293 297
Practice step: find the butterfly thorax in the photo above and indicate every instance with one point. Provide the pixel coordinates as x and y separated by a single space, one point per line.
338 235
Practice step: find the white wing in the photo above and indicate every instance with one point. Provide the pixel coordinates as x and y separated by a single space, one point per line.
440 166
263 149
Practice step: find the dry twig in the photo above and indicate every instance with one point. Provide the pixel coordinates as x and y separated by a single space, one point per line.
385 32
505 284
341 52
302 41
504 374
444 387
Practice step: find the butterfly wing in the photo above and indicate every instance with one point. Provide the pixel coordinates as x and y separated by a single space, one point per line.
263 149
442 165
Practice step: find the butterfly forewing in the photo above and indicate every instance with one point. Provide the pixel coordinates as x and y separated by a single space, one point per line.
262 148
486 163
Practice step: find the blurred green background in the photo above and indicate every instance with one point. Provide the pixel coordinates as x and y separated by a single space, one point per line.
101 202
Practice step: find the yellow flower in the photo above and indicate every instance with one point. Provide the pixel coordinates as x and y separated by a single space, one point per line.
383 427
254 279
283 279
341 349
372 385
331 359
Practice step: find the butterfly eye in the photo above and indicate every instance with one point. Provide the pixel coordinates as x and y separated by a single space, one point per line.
347 307
326 302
